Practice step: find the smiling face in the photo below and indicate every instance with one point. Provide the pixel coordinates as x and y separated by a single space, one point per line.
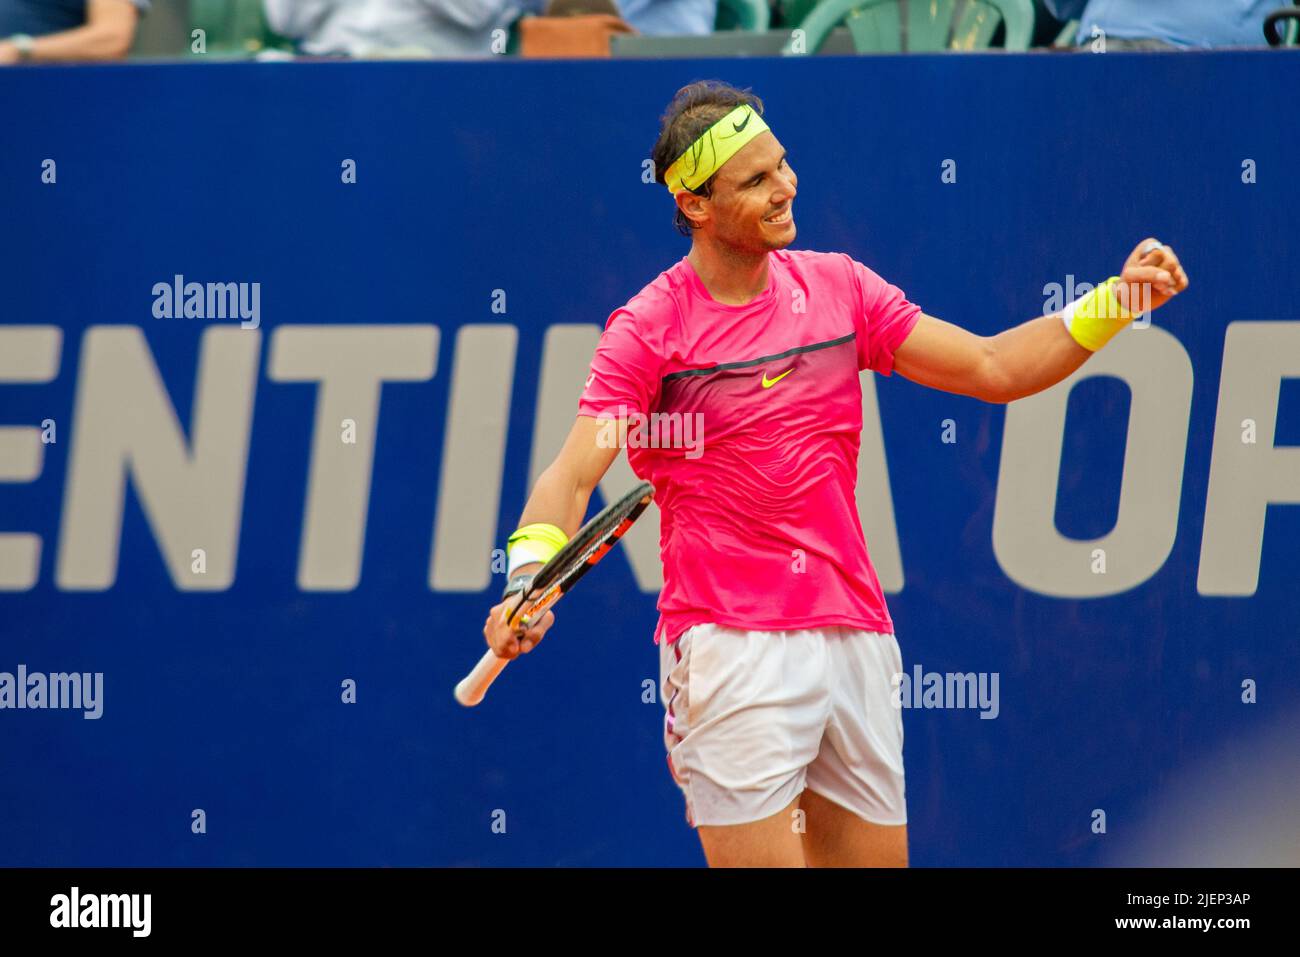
751 205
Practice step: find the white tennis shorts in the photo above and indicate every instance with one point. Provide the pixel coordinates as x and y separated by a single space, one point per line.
753 717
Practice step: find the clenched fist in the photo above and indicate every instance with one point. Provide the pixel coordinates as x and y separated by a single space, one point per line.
1154 267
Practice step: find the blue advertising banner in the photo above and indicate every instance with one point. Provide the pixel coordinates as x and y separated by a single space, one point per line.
282 347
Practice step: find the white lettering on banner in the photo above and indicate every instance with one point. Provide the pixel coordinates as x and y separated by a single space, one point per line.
1032 553
124 424
350 363
1246 478
28 354
473 457
125 428
875 497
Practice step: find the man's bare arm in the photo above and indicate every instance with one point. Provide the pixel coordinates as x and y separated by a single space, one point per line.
1030 357
948 358
560 497
107 34
563 491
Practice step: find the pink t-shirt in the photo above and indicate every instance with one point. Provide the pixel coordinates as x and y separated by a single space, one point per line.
747 419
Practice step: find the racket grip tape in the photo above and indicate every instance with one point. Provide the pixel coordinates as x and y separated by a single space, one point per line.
474 686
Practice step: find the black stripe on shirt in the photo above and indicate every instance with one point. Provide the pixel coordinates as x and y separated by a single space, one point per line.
755 362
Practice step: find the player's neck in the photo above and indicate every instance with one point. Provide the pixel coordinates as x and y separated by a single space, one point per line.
730 277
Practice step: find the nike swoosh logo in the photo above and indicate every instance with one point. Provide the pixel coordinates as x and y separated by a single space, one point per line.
748 117
768 383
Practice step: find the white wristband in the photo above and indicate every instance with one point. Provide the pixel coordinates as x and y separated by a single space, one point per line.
521 555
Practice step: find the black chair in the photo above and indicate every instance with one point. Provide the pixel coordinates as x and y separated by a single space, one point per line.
1279 35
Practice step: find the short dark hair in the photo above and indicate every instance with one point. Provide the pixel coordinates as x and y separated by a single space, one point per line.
694 108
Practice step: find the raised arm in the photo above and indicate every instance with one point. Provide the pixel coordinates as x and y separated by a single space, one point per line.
1035 355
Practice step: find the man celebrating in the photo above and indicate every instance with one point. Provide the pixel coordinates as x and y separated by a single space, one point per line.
776 647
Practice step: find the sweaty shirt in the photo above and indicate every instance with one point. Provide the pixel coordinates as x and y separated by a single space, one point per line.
747 420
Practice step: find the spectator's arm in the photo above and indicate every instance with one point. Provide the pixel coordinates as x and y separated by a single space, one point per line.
107 34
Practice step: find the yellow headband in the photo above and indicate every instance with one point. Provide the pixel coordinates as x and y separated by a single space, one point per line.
720 142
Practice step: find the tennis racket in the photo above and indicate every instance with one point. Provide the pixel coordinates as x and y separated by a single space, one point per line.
578 556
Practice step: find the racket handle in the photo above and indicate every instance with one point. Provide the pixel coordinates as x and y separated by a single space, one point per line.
474 686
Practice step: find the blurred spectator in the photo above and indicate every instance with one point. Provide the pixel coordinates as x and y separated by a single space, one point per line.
1142 24
45 31
369 28
670 17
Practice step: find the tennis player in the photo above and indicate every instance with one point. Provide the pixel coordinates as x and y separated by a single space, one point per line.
777 650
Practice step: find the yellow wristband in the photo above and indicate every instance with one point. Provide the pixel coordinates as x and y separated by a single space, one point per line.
543 540
1095 318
